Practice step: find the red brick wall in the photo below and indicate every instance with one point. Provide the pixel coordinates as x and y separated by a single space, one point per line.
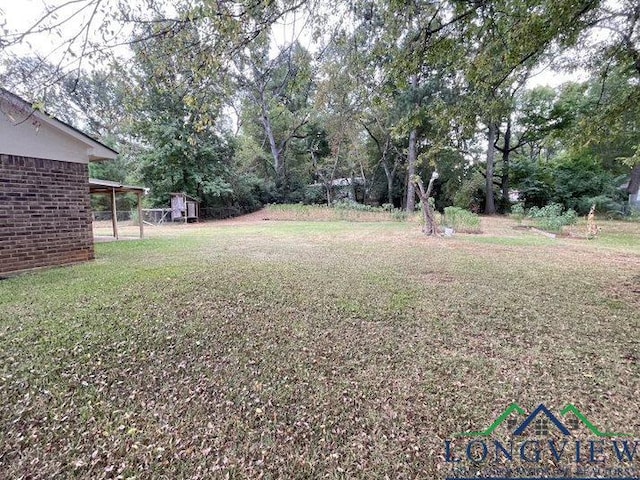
45 213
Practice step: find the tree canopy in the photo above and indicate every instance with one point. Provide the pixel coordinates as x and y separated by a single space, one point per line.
239 103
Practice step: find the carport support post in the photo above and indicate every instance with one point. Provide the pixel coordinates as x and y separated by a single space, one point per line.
140 219
114 213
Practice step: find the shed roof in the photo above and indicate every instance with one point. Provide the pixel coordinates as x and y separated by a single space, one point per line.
107 186
187 196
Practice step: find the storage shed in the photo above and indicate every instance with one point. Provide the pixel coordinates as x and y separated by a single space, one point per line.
184 207
45 209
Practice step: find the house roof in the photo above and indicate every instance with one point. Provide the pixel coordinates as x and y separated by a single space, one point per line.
542 410
97 150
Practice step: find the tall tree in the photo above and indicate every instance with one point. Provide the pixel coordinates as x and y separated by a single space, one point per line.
505 40
224 28
412 154
277 93
175 103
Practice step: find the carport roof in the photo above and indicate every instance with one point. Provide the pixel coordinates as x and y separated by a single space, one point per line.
106 186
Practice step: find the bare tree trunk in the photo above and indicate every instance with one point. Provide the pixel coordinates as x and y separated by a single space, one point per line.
634 182
411 171
326 183
365 184
430 227
352 187
327 180
505 163
384 159
411 160
275 151
388 171
389 176
490 205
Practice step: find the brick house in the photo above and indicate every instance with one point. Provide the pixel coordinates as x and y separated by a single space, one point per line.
45 208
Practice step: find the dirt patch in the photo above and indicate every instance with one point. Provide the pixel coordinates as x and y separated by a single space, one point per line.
254 217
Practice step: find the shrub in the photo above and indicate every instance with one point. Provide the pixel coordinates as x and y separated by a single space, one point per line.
633 215
552 217
471 193
604 204
346 204
517 211
314 194
461 220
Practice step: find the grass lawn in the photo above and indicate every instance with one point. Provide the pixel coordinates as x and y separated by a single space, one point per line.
309 349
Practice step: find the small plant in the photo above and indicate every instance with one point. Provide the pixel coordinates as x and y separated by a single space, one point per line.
461 220
517 212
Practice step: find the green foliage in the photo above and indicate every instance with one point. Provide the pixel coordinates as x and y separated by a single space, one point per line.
607 122
176 114
611 206
517 211
314 194
396 213
633 215
576 181
276 115
250 192
552 217
470 195
461 220
579 178
303 120
533 180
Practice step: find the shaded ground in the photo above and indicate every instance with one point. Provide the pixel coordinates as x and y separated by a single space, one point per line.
275 349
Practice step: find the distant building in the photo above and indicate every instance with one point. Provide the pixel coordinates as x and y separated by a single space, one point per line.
351 188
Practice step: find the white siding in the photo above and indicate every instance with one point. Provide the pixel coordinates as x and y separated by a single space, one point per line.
30 137
29 133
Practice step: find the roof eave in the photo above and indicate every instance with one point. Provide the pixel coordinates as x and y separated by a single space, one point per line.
97 152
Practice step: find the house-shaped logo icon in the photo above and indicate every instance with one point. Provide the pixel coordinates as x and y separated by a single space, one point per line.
541 410
539 415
